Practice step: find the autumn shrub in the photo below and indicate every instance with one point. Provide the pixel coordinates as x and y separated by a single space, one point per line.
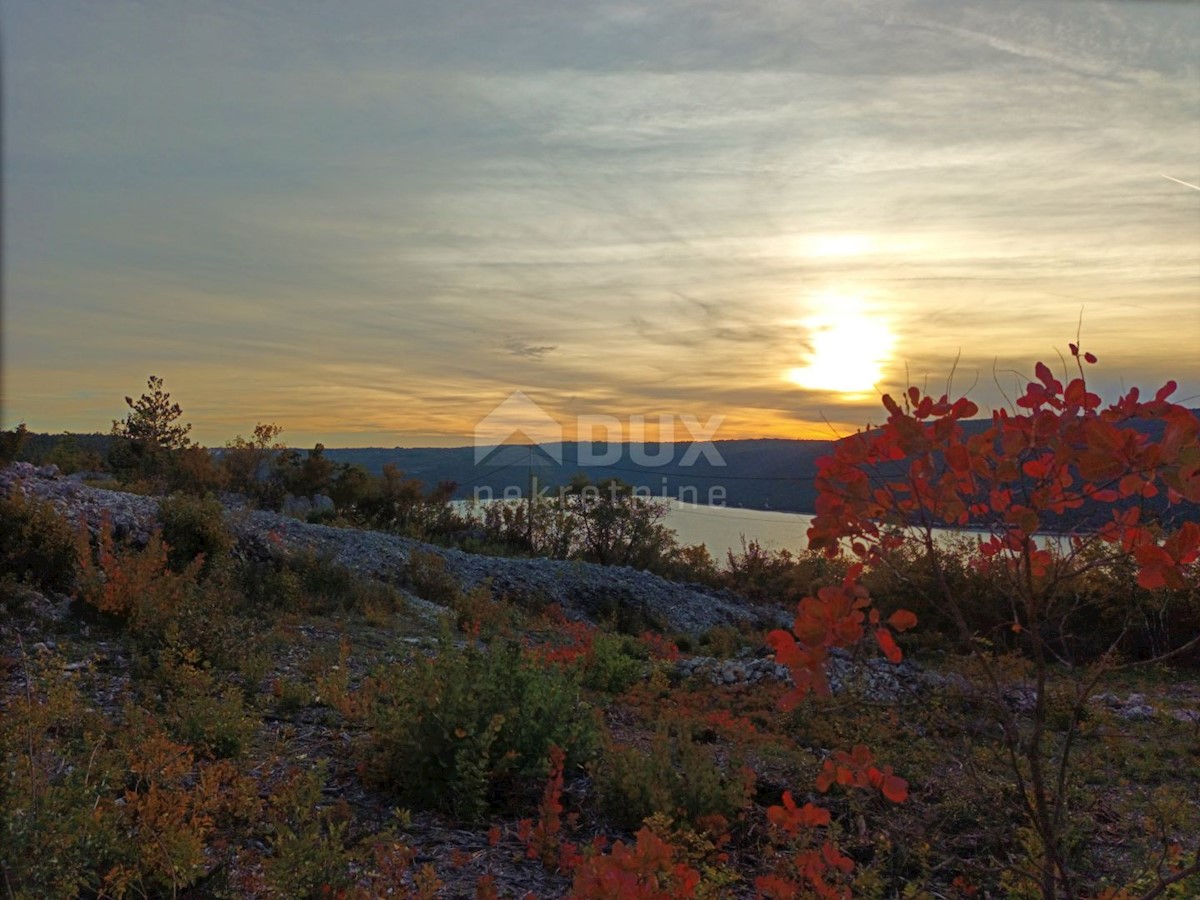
311 582
100 805
605 662
138 587
202 709
1057 455
191 528
426 573
36 544
645 870
462 730
479 612
676 777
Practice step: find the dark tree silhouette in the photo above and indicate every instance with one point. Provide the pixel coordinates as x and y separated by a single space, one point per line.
153 420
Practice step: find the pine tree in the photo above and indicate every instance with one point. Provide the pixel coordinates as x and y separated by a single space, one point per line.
153 420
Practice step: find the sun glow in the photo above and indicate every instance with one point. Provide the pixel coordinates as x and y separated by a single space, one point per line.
850 344
837 245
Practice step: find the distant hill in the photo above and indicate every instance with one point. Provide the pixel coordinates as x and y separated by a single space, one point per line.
766 473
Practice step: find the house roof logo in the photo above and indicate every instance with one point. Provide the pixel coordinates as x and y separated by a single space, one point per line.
518 422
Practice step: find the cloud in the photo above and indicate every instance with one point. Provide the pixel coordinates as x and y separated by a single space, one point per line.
527 351
400 213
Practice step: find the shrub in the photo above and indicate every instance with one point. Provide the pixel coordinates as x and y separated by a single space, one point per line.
203 713
455 732
307 581
100 806
36 543
11 443
677 777
160 608
616 663
309 848
193 471
430 581
1056 457
136 585
192 528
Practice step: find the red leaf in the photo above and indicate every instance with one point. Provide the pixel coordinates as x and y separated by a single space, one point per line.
1090 357
958 458
792 818
902 620
894 787
1166 391
888 645
1046 377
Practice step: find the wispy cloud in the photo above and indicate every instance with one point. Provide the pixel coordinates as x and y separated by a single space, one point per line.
380 219
527 351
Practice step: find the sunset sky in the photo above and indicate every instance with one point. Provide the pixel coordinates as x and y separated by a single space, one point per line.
370 222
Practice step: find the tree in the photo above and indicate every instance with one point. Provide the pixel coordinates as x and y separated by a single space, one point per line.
885 491
11 443
401 505
606 522
615 526
149 435
309 476
351 485
153 420
243 459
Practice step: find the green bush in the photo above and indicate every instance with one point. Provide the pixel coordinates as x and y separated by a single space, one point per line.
456 732
36 543
616 663
309 856
202 711
191 527
677 777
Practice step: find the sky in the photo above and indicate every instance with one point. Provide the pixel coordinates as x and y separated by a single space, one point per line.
372 222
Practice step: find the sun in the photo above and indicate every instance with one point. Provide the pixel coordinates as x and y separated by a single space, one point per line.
851 345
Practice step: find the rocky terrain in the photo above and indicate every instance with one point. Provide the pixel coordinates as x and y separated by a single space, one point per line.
583 590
